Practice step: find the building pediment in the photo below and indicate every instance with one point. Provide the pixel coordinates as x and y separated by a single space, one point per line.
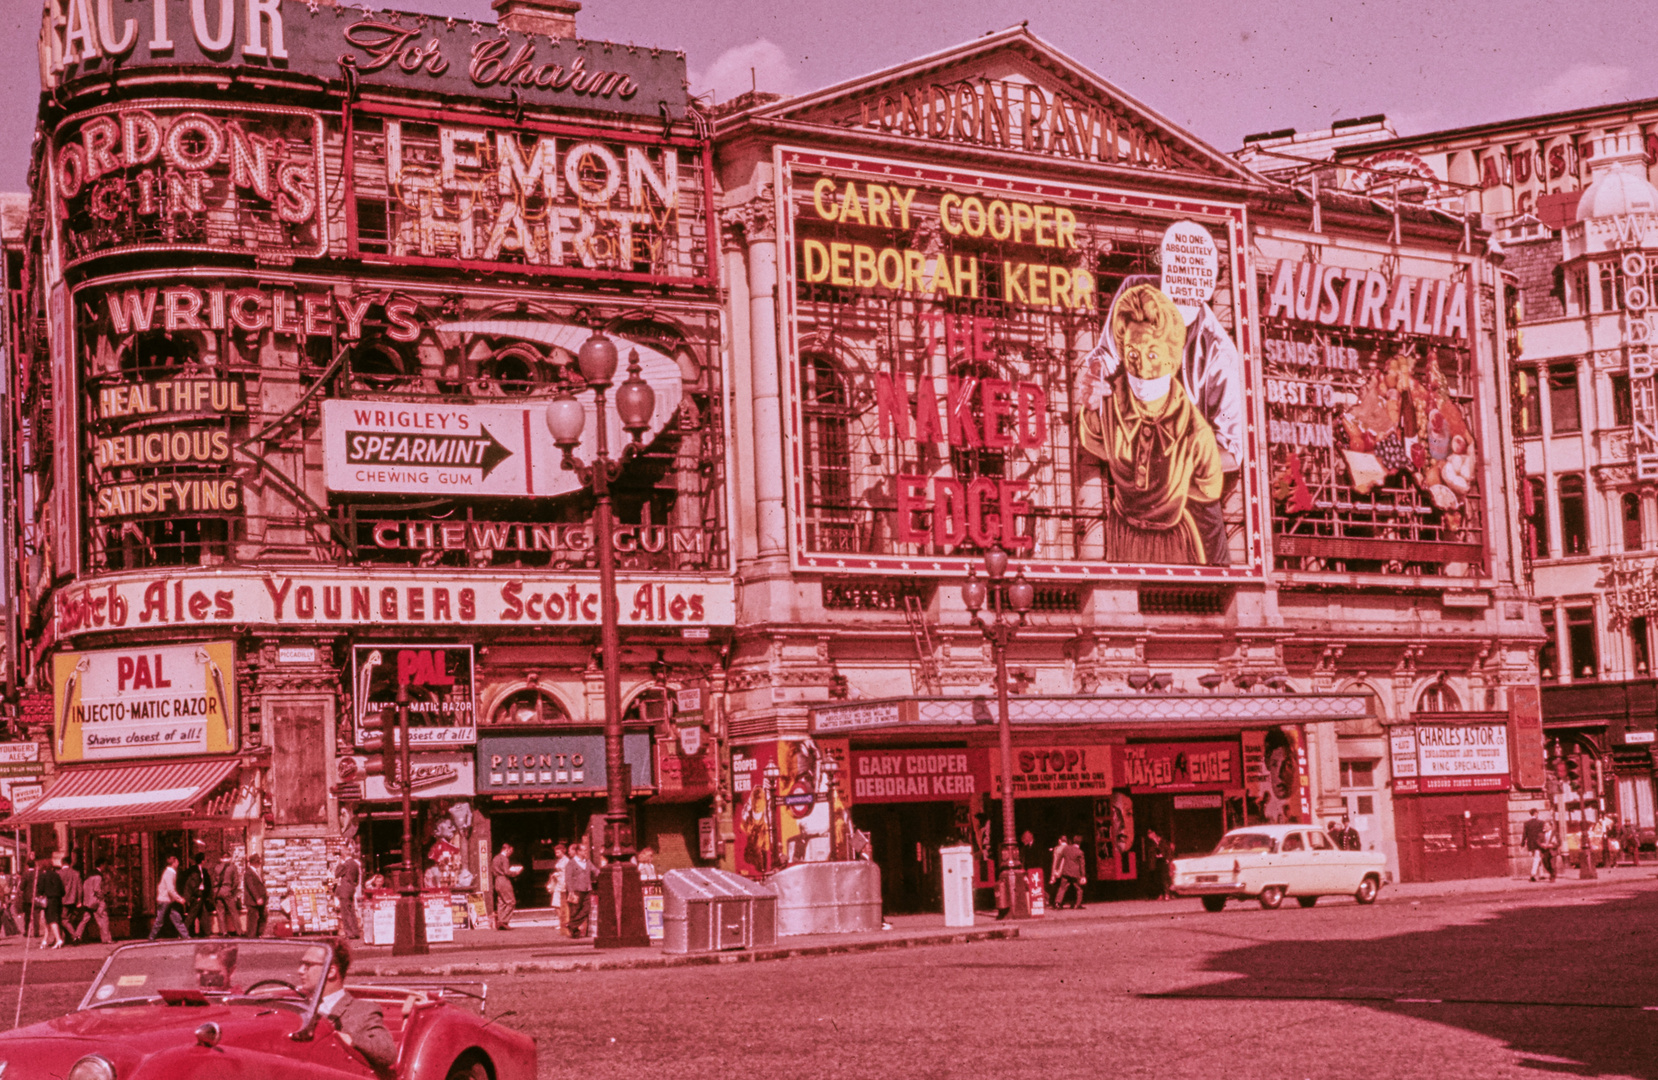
1010 91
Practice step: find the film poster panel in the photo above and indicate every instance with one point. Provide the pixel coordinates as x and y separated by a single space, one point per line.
801 815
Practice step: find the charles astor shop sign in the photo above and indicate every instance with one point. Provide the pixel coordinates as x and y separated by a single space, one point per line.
82 38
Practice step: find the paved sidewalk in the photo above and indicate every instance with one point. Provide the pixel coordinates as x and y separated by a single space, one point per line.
543 949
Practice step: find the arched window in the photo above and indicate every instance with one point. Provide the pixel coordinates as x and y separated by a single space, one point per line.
1438 697
529 706
826 408
1632 539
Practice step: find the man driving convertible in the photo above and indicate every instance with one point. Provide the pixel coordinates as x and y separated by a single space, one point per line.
360 1023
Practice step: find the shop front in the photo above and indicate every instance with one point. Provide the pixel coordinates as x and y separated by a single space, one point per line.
130 818
536 790
1119 774
1451 779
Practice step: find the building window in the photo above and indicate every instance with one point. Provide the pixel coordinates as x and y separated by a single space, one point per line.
1528 408
1364 804
1578 300
1580 638
1564 415
1623 407
1632 539
1548 654
1610 276
1358 774
1437 697
1537 516
529 706
1574 521
827 412
1640 645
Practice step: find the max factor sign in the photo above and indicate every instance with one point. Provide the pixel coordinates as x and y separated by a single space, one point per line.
81 38
359 597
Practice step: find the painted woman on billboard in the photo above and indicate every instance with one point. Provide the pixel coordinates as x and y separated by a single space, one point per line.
1163 408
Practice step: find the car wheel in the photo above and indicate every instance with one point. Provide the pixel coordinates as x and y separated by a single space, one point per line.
468 1068
1306 901
1214 903
1272 897
1368 888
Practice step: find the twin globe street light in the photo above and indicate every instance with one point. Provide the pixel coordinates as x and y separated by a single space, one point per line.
1009 603
621 899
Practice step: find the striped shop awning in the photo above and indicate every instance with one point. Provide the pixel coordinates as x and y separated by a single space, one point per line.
100 793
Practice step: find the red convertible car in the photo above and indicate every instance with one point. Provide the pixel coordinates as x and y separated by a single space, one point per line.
177 1010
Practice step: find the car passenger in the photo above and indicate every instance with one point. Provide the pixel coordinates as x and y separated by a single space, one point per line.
214 963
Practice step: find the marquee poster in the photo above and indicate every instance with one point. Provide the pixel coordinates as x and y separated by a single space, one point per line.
980 360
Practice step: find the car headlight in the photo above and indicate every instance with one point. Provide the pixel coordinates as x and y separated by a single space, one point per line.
92 1067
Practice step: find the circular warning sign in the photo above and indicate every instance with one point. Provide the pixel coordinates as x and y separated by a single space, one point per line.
1191 267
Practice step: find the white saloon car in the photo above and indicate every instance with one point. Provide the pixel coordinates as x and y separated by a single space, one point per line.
1270 862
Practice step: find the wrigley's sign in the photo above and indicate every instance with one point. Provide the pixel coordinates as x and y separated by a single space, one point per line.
92 38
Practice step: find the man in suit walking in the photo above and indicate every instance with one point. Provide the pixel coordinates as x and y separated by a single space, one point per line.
348 875
1531 836
227 896
501 873
255 895
71 898
94 906
196 885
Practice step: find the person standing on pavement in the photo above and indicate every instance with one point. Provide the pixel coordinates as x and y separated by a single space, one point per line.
169 902
8 905
1070 874
254 895
1350 840
23 900
49 896
71 900
501 873
94 906
578 888
348 875
646 861
555 882
1531 835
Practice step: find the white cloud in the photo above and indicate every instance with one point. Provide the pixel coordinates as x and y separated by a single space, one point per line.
729 74
1581 86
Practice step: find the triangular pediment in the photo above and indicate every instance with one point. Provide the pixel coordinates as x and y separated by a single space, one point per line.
1010 91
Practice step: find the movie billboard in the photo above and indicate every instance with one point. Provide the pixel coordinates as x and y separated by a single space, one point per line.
980 360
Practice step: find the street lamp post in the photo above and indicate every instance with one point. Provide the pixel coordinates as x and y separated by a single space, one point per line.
409 935
774 817
621 900
1009 602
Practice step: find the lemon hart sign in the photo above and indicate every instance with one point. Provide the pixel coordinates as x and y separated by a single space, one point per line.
94 38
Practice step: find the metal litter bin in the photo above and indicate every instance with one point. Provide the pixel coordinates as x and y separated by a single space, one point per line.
957 865
714 910
827 898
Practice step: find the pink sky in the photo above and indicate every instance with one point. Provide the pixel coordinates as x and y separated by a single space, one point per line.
1221 69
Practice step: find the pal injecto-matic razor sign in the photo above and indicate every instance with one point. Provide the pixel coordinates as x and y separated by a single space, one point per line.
437 680
154 701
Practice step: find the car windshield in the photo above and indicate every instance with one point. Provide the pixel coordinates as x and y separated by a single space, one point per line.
195 971
1232 843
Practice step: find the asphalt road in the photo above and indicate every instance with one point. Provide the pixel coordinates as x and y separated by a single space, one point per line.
1536 981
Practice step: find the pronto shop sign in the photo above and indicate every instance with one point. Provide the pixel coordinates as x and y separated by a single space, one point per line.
366 597
991 409
156 701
